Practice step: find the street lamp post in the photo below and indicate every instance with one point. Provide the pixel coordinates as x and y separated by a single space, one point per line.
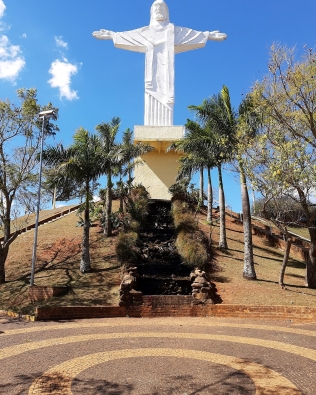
44 115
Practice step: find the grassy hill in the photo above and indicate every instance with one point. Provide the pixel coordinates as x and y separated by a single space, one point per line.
59 258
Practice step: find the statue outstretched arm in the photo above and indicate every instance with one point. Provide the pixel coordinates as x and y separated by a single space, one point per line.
216 35
103 34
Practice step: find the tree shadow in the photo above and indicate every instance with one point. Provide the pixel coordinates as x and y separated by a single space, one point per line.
294 275
234 230
296 264
288 287
108 269
231 383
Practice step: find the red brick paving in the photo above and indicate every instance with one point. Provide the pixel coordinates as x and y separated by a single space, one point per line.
157 375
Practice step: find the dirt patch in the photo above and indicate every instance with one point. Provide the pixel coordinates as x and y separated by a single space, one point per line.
58 259
268 259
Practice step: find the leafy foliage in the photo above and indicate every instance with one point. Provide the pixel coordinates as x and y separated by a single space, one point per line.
82 163
20 138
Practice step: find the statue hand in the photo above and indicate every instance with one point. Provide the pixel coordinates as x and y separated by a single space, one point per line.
216 35
103 34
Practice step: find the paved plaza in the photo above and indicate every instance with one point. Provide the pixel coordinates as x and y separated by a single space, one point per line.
157 356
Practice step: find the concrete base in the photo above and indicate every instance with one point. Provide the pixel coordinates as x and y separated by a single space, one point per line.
157 170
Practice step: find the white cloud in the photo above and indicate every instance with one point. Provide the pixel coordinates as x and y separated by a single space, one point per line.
23 35
61 72
60 204
2 8
60 42
11 61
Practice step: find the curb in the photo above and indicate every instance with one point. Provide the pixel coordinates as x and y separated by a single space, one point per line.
289 313
13 314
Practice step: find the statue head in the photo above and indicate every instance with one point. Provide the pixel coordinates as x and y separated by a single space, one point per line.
159 13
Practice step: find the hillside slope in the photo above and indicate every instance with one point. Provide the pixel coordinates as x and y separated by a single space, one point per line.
268 259
59 258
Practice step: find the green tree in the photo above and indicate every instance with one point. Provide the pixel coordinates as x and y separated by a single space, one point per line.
286 101
20 136
243 126
195 160
130 151
57 187
283 169
80 162
218 137
128 154
110 163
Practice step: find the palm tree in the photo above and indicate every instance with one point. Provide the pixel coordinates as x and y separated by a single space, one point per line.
190 164
217 137
195 160
110 160
127 160
244 115
81 163
130 152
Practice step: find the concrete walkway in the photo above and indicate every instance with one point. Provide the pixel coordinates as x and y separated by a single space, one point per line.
169 356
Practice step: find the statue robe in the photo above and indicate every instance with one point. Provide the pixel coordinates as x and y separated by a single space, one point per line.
160 44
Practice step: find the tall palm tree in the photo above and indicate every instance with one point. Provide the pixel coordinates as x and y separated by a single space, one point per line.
130 151
127 159
111 156
190 164
195 159
218 138
80 162
235 118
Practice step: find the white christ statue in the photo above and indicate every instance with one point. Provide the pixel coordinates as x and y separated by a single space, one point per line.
160 41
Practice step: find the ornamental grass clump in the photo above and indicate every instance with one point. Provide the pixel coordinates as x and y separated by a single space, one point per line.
193 248
126 249
130 222
137 205
191 243
183 217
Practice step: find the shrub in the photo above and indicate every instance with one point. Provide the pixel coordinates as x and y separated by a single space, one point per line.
183 217
125 248
193 248
137 205
186 222
191 243
125 222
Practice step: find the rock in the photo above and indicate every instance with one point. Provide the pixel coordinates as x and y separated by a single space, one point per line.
200 296
196 287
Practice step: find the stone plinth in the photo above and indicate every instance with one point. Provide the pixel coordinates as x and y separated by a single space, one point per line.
158 169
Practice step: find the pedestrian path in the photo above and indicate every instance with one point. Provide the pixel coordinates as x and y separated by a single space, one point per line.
157 356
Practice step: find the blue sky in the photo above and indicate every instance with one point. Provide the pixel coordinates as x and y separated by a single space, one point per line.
49 45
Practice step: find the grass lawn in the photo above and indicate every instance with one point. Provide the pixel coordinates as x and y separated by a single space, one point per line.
59 257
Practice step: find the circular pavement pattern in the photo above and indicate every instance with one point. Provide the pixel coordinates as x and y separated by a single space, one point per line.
170 356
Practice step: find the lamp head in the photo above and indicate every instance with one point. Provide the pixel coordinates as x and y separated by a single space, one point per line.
48 114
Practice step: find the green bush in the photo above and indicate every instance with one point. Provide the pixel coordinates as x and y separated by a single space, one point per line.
191 243
126 249
183 217
137 205
193 248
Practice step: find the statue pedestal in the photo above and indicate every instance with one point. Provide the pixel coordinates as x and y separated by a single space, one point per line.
159 168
